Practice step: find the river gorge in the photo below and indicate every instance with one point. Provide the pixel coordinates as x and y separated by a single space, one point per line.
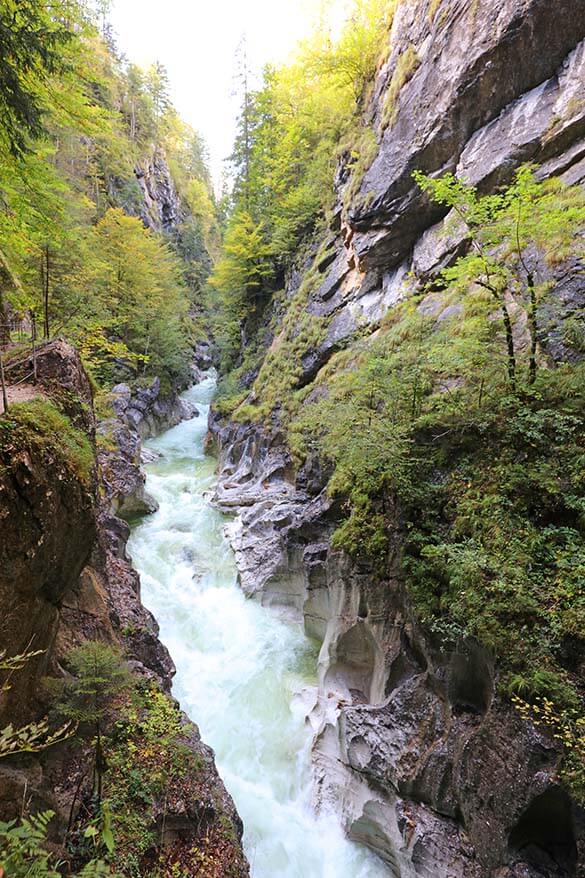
245 672
292 495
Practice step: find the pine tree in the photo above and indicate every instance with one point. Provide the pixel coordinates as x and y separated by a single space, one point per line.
32 39
99 675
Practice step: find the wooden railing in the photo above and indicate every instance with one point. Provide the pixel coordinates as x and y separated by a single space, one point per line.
29 352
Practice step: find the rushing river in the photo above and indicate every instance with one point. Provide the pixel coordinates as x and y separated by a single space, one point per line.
239 666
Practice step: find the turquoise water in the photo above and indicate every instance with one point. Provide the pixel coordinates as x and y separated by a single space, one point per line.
240 667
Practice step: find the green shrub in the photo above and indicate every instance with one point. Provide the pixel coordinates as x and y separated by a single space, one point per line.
24 851
148 760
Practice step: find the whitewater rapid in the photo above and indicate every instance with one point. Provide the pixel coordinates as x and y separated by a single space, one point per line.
240 667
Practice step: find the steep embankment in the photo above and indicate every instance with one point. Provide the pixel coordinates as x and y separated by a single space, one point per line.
66 579
415 743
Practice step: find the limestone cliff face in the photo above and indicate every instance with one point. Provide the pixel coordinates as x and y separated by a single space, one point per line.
491 85
65 578
151 194
161 209
426 765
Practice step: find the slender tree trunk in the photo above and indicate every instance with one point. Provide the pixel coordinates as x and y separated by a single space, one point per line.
532 322
3 382
414 396
509 343
4 322
500 297
99 764
46 291
247 146
34 345
73 803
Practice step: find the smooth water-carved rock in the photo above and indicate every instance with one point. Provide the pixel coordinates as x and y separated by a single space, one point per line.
411 747
147 411
425 764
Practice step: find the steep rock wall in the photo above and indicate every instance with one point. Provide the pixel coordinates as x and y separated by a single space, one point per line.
139 413
66 579
151 194
426 765
161 209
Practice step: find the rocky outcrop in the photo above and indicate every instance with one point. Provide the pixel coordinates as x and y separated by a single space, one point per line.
37 489
66 579
425 763
139 413
148 411
488 89
160 208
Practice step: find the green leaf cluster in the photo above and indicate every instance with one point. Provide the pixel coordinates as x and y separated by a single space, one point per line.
33 737
79 125
24 851
98 674
285 157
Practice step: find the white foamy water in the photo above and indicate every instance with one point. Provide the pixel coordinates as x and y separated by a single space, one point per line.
239 666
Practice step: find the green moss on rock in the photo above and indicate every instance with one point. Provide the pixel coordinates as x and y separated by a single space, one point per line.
39 427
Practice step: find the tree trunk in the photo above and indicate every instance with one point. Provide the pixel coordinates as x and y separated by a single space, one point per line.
46 290
33 323
99 764
532 323
4 322
3 382
509 342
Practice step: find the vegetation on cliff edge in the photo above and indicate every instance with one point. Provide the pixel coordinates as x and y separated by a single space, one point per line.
290 136
80 127
39 428
456 446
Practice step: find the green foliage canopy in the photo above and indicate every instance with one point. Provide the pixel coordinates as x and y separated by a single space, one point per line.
286 151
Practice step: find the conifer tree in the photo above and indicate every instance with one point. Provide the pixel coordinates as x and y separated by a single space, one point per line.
98 676
32 39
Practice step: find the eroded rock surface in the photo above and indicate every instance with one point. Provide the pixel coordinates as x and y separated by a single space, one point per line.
413 747
488 89
424 763
65 578
160 207
139 414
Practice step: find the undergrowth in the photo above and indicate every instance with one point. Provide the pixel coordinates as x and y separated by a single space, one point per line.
41 428
149 764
